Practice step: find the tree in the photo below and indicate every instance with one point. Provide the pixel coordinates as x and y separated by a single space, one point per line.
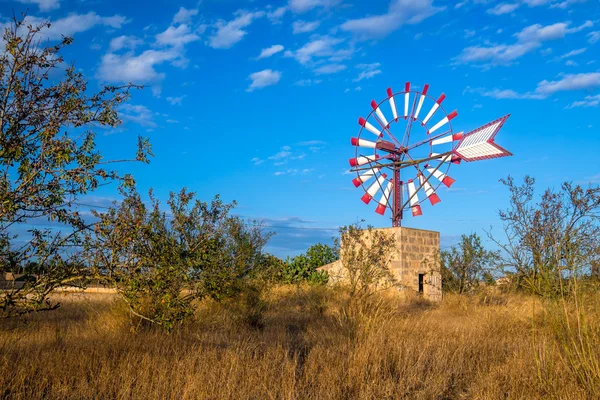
162 263
466 265
48 159
365 256
304 266
549 240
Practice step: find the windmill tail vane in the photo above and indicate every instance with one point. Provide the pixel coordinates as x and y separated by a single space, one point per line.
401 167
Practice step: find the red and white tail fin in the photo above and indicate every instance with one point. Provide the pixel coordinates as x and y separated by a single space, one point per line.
429 191
364 177
445 179
434 108
479 143
392 103
414 199
443 121
362 160
421 99
375 186
363 143
384 200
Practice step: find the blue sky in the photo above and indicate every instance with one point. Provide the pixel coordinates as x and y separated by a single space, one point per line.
257 101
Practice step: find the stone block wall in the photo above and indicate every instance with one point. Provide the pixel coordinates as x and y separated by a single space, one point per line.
415 254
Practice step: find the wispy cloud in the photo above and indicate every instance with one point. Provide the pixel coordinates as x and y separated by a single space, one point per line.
368 71
304 26
264 78
229 33
269 51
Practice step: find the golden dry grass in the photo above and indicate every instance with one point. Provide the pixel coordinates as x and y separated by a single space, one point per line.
310 347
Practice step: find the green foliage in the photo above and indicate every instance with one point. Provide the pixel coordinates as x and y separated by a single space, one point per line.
48 159
304 266
550 240
162 262
466 265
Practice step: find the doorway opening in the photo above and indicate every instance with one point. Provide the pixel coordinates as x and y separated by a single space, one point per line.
421 283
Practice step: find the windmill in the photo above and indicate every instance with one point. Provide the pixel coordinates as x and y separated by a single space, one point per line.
400 168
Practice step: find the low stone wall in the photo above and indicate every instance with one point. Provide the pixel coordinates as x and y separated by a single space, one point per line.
413 262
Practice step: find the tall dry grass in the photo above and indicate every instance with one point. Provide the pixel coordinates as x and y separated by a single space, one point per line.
309 344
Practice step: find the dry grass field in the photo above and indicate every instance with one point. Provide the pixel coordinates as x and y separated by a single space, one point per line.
308 345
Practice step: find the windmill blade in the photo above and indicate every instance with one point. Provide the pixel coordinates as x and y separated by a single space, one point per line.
429 191
366 198
447 139
406 98
364 177
383 202
454 159
479 143
445 179
434 108
392 103
367 125
414 199
363 143
421 99
444 121
380 115
362 160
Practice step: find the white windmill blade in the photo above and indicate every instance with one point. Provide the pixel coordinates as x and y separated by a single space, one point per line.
414 199
429 191
421 99
479 143
444 121
392 103
367 125
448 139
434 108
440 176
380 115
383 202
366 198
361 160
364 177
406 98
363 143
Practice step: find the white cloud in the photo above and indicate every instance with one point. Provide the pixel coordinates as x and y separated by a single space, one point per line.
304 27
593 37
330 69
545 88
571 63
588 101
75 23
302 6
175 100
257 161
570 82
529 39
368 71
136 69
176 37
137 114
308 82
291 171
276 15
503 8
269 51
44 5
400 12
282 154
320 47
229 33
172 121
184 15
573 53
124 42
261 79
